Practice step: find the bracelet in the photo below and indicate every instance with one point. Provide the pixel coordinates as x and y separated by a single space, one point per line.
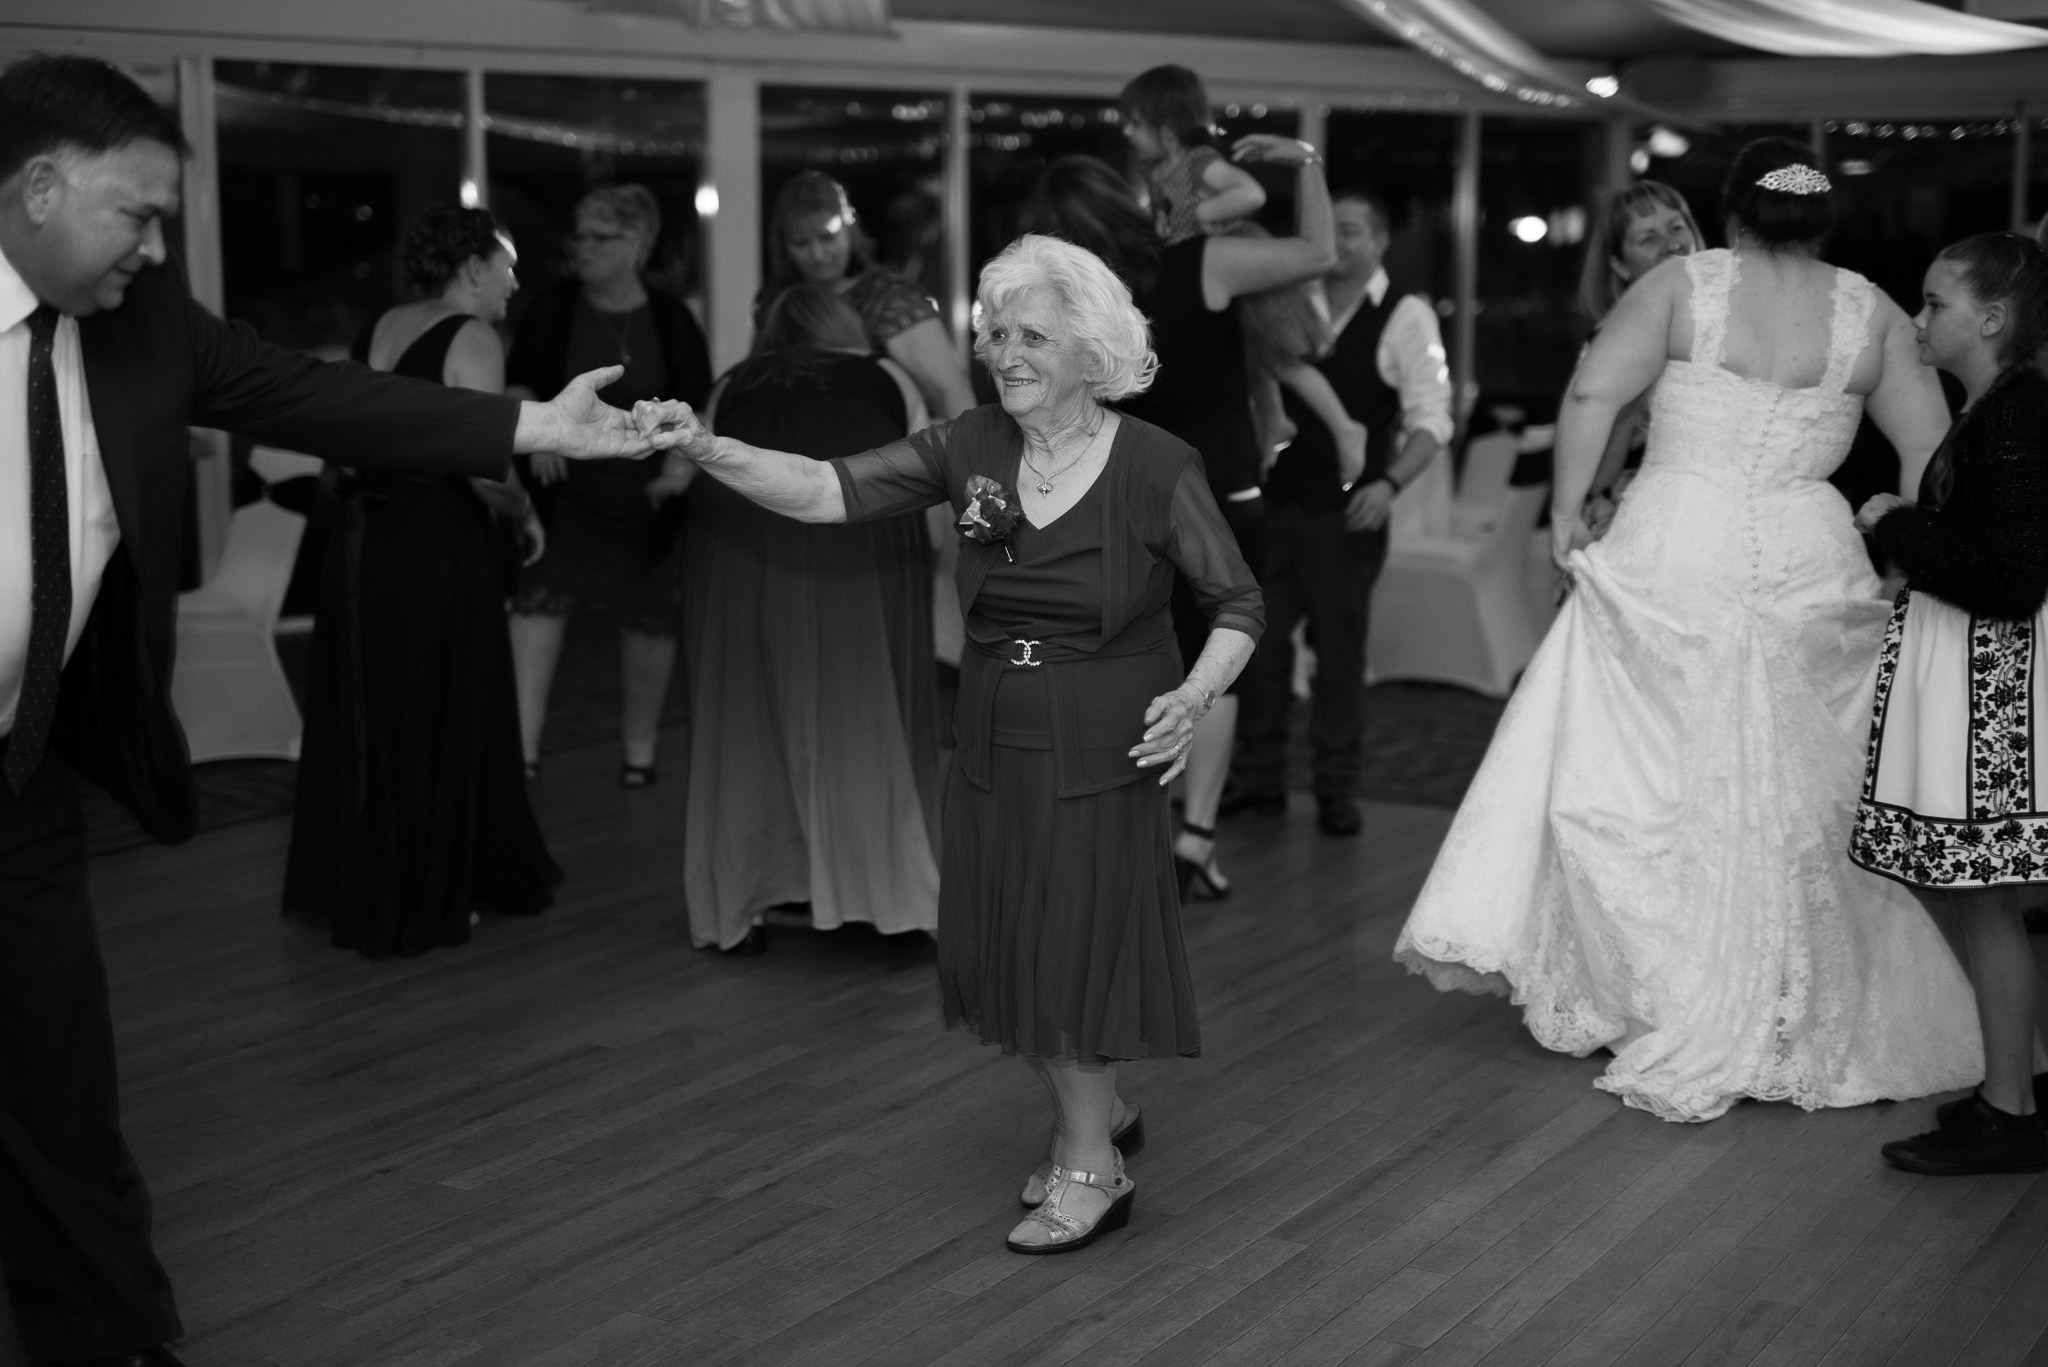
1392 483
1208 696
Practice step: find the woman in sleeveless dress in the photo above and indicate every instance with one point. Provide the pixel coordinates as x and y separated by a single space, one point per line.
814 731
1652 858
411 812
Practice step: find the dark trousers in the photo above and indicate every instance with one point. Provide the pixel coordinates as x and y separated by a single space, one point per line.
1312 568
74 1217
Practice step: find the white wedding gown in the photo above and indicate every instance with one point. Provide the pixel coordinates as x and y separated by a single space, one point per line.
1653 856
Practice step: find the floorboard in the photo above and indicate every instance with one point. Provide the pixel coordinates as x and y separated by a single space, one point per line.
577 1140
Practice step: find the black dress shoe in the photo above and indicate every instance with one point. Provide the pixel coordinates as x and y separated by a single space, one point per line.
158 1356
1339 816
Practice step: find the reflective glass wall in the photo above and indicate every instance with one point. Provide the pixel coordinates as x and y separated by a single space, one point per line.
321 169
888 148
551 139
1536 183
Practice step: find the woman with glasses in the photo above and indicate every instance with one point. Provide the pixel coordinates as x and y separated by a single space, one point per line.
612 544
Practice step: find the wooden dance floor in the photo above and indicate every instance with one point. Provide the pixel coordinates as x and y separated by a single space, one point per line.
578 1141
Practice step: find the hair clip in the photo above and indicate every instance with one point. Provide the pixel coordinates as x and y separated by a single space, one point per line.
1796 179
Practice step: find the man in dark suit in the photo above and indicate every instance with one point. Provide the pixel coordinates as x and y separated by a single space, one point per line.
104 361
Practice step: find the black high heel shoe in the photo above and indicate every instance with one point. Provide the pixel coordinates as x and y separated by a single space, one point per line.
1204 878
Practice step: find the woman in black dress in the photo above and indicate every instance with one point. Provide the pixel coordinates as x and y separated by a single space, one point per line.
1201 395
612 546
1059 924
814 731
411 813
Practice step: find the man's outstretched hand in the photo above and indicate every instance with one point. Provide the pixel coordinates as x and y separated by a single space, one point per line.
580 426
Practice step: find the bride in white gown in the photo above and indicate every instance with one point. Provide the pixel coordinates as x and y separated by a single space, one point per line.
1653 857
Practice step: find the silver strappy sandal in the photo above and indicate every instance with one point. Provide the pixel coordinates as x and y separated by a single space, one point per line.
1069 1232
1128 1137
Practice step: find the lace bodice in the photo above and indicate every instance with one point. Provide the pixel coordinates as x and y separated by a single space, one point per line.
1707 419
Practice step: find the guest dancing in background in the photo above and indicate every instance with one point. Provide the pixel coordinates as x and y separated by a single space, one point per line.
1950 807
814 236
612 546
1327 532
814 730
1193 191
1059 925
1640 226
1199 395
410 813
1653 856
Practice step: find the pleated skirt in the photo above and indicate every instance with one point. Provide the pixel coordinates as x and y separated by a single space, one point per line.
1059 918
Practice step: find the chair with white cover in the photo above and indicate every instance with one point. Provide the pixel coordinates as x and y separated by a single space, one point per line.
1452 608
228 687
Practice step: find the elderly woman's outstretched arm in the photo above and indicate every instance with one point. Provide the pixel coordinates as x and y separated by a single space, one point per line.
780 481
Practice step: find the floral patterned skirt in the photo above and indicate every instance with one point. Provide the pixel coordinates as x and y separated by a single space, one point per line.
1950 784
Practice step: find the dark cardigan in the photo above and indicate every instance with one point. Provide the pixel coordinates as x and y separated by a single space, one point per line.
1981 544
1158 518
539 358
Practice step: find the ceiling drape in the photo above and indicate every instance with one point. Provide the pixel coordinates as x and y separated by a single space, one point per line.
822 16
1848 28
1476 46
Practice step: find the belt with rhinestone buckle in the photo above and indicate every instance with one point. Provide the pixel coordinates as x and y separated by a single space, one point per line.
1024 658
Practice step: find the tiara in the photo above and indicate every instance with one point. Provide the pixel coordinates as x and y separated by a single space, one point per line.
1796 179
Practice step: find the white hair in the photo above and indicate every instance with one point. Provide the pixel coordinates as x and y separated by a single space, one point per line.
1092 300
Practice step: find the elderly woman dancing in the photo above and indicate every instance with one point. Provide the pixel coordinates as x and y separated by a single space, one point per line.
1059 918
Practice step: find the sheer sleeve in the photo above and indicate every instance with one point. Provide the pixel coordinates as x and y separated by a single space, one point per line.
888 303
1988 556
902 477
1202 548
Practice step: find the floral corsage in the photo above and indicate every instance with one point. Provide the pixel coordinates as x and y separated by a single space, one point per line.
991 514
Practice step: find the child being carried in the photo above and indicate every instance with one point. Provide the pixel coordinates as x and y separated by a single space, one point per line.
1193 191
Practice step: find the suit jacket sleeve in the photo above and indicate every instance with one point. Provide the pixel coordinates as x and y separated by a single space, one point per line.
339 410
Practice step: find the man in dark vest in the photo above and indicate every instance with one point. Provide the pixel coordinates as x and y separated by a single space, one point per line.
1326 526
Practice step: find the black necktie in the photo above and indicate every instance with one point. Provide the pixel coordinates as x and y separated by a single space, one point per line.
49 541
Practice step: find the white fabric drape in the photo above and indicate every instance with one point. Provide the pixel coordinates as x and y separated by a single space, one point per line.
1848 28
824 16
1475 45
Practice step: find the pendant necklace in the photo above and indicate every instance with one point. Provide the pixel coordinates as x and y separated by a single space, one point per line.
1045 481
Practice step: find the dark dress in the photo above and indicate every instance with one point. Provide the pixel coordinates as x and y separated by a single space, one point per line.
411 808
814 752
608 548
1059 922
1202 396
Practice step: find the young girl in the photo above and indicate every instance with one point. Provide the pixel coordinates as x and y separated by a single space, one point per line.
1949 803
1193 190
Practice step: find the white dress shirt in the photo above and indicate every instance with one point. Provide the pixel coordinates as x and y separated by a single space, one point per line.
1410 358
94 530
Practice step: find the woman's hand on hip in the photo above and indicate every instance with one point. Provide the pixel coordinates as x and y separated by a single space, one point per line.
1170 731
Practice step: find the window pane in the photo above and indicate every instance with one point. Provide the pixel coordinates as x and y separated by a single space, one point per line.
1407 160
1909 189
1012 139
552 138
887 148
1534 183
321 169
